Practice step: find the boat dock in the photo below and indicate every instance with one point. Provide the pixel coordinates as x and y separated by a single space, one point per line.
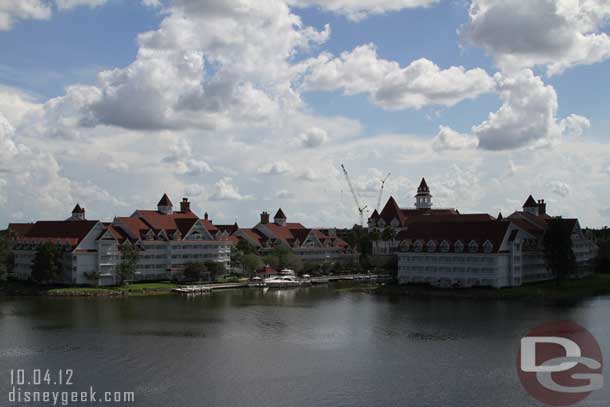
205 288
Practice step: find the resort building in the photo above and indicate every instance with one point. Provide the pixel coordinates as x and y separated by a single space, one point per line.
166 240
313 245
449 249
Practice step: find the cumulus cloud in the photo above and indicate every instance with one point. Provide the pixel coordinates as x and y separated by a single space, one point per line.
70 4
313 137
575 125
421 83
557 34
357 10
528 115
226 191
283 194
560 188
275 168
12 11
183 161
449 139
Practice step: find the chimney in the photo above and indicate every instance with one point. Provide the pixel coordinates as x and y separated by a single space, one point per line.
541 207
185 205
264 218
205 216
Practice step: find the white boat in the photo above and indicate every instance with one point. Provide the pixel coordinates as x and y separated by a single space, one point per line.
283 281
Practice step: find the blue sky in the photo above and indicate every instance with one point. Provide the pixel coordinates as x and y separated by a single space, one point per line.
234 110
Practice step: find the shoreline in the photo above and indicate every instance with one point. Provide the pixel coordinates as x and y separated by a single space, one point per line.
568 290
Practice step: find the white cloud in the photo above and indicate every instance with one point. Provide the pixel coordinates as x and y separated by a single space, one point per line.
70 4
357 10
449 139
575 125
283 194
557 34
12 11
560 188
275 168
226 191
421 83
182 159
314 137
118 166
528 115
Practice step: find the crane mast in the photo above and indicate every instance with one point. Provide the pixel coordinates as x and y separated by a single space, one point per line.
381 190
361 209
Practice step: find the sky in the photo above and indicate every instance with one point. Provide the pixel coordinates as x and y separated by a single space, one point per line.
246 106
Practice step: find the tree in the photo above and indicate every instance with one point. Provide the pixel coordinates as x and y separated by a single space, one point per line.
245 247
215 269
251 263
388 234
129 261
558 253
194 271
272 261
7 258
48 263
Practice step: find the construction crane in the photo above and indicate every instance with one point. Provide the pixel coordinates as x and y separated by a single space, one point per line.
361 209
381 190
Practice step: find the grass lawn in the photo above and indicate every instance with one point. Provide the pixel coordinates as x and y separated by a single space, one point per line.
131 289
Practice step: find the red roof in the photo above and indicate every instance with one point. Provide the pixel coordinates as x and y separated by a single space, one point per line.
134 226
530 202
72 231
78 209
280 214
158 221
391 211
165 201
423 187
20 229
254 235
230 229
479 231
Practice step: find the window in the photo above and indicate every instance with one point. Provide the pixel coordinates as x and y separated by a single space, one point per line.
488 246
431 246
473 246
458 246
444 246
419 245
404 246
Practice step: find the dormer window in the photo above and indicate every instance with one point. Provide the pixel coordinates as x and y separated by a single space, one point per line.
404 246
473 246
488 246
444 246
395 222
381 223
431 246
458 247
419 245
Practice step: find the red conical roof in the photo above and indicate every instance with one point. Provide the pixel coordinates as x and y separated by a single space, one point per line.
280 214
530 203
78 209
423 186
165 201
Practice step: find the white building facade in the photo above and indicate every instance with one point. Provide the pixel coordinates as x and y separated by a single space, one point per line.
165 240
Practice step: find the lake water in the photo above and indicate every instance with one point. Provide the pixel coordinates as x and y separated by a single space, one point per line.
316 346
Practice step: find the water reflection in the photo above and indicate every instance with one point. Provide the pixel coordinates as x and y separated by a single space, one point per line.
313 346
